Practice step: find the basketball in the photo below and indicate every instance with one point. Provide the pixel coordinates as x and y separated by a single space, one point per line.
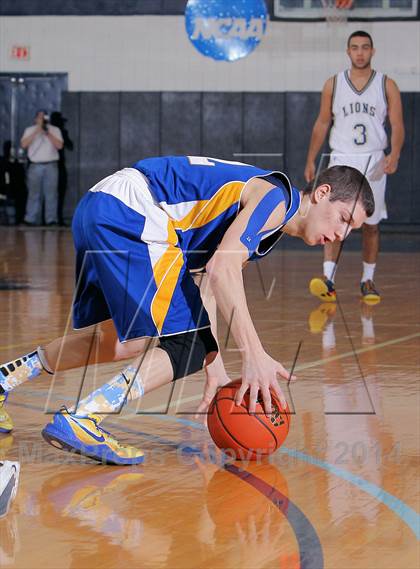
240 434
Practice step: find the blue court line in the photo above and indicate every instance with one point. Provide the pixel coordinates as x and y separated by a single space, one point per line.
400 508
310 549
409 516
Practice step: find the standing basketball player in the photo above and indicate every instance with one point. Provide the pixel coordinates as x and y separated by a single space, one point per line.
358 101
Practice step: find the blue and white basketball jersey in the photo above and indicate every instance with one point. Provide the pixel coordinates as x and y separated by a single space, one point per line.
141 231
201 196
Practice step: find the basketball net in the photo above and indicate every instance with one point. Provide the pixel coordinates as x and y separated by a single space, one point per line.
336 11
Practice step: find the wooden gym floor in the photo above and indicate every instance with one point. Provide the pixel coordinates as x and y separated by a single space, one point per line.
342 493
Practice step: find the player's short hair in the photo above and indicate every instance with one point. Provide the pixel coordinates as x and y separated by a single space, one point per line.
347 185
361 34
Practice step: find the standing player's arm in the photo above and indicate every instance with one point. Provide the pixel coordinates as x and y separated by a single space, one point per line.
395 114
320 130
259 370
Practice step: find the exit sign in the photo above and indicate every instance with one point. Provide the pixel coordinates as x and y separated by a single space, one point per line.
21 52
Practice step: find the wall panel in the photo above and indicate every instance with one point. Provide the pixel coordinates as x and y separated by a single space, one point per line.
113 130
70 109
263 129
399 185
222 125
301 111
99 137
181 124
139 126
414 145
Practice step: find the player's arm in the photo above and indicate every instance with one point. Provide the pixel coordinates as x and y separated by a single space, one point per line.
395 114
263 210
216 374
320 129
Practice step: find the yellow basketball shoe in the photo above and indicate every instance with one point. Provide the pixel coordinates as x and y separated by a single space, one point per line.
369 293
323 289
6 423
83 435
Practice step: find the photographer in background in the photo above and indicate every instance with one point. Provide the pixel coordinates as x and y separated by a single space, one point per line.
42 142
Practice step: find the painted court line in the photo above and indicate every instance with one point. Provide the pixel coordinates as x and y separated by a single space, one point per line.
310 549
397 506
410 517
402 510
308 365
359 351
315 363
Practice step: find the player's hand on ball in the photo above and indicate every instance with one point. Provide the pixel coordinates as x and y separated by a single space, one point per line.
216 377
259 373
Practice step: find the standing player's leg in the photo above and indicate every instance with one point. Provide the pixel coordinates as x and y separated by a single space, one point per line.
371 235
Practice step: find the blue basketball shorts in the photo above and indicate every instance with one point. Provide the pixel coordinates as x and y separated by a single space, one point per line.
129 265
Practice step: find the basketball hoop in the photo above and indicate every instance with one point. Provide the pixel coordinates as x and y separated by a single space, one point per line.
336 11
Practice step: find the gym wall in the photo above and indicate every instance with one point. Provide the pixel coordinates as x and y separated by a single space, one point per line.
138 88
153 53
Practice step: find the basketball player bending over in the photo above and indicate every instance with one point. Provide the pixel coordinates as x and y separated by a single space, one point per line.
139 234
358 101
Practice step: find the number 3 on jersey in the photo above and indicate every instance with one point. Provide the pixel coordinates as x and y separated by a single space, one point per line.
361 137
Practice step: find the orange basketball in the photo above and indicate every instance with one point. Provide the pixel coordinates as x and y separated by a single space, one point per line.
240 434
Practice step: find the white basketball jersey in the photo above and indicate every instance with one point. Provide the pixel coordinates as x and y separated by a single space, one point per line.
359 116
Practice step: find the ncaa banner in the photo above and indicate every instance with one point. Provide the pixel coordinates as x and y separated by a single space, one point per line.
225 30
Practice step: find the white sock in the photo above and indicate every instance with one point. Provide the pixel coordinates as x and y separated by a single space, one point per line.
330 270
368 271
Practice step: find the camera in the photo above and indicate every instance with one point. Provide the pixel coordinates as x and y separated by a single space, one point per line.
45 122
